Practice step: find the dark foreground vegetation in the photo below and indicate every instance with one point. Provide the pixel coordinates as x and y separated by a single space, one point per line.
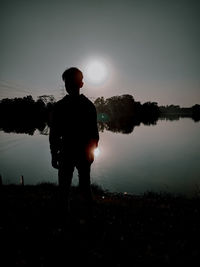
125 230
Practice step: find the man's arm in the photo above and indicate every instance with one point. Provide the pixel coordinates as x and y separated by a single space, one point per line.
96 131
54 138
94 136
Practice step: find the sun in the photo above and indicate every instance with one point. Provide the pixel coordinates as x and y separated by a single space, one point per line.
96 72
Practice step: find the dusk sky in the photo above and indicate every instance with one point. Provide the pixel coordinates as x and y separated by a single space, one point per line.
147 48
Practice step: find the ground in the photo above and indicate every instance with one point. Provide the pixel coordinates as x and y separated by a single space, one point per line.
150 229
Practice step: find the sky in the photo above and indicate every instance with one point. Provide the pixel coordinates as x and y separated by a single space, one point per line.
149 48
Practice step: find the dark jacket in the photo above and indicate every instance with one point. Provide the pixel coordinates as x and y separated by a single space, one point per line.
73 126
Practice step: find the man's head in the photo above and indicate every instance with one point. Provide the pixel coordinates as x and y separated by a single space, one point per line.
73 79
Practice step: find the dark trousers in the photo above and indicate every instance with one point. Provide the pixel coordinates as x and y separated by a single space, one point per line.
65 175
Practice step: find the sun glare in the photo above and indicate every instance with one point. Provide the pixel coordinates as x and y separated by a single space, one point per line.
96 152
96 72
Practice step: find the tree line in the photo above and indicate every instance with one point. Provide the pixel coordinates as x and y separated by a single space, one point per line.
118 113
25 115
122 113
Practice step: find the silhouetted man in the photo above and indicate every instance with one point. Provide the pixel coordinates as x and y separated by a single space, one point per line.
73 135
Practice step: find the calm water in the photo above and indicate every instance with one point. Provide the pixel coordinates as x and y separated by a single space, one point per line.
164 157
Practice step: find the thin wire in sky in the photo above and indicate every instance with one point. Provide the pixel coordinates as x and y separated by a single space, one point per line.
8 88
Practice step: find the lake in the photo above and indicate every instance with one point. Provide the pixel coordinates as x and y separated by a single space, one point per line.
161 157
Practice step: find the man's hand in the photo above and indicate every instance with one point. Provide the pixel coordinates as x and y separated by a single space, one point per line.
54 161
90 151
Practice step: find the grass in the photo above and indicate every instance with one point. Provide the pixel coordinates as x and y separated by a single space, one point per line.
125 230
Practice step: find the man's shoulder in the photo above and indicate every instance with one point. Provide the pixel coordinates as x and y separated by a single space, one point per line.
67 101
86 100
62 101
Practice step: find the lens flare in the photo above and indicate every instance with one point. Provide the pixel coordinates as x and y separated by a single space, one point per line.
96 152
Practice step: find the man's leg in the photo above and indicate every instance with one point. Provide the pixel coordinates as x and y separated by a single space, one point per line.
86 204
65 174
84 180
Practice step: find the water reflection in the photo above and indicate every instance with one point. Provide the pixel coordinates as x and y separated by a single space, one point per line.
160 157
121 124
164 157
24 127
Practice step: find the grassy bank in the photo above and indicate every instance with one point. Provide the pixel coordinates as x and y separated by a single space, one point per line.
151 229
